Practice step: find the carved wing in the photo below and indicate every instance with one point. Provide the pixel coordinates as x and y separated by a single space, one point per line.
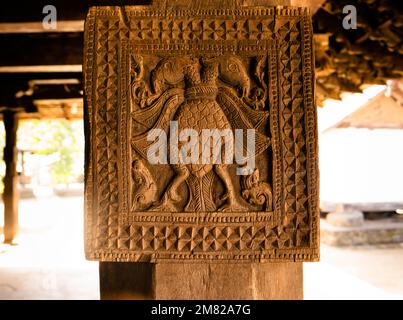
145 119
156 116
241 116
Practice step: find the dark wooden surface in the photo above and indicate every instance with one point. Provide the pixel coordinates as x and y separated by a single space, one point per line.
126 280
10 195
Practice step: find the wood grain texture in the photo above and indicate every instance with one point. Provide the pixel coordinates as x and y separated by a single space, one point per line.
10 194
173 281
203 68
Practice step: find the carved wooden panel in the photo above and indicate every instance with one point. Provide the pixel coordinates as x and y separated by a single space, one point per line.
225 69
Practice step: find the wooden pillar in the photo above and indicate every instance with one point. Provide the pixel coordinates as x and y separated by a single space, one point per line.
178 239
10 195
201 281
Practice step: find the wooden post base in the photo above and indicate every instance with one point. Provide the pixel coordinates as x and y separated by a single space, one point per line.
10 194
201 281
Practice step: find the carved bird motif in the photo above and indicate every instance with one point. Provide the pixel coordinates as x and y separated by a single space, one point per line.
199 94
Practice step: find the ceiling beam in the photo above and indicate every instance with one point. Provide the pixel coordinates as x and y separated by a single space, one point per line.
37 27
32 10
313 5
41 69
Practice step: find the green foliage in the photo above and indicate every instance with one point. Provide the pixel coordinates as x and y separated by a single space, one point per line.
60 138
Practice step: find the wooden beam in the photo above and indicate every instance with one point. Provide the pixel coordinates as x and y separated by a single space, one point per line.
42 69
10 195
14 85
54 82
37 27
32 11
313 5
52 89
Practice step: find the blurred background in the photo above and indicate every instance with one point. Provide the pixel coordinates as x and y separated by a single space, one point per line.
360 115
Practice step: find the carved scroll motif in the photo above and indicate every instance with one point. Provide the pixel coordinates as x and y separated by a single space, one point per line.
145 188
257 192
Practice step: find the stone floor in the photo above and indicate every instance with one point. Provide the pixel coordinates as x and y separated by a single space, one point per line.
48 262
362 272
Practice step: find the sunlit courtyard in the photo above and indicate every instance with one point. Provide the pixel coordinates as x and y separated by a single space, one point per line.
48 261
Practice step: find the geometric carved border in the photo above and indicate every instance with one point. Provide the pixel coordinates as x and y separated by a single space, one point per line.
112 231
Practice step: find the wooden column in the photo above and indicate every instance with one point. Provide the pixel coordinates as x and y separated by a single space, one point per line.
10 195
203 233
201 281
